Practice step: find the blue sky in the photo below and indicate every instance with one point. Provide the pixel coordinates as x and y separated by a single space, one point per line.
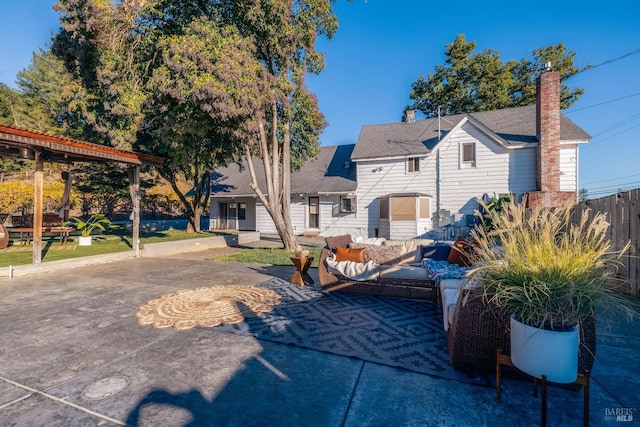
382 47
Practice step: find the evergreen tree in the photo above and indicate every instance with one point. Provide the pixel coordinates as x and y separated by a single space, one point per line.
469 81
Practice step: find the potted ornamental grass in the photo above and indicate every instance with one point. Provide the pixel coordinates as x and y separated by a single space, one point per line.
99 221
551 271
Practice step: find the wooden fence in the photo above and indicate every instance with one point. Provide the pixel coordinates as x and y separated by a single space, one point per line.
623 213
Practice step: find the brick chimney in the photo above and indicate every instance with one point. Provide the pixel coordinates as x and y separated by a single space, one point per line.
548 192
548 130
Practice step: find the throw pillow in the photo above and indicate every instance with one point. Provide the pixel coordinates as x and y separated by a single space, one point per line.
461 252
413 250
455 254
348 254
380 254
437 252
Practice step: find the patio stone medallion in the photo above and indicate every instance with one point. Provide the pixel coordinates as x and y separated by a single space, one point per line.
105 388
207 307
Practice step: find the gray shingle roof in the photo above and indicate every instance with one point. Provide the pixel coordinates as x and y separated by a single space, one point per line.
516 125
326 173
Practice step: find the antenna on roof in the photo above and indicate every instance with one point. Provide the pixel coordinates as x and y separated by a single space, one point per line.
439 129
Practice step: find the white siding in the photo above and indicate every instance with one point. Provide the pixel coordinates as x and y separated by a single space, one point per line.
403 230
264 223
569 168
299 212
498 171
423 227
333 222
250 222
250 219
383 177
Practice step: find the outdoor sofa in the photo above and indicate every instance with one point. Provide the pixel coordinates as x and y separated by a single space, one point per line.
474 328
395 276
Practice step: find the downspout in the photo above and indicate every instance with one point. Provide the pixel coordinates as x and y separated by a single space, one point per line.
438 170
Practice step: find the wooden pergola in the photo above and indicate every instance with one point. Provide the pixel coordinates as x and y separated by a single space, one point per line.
26 144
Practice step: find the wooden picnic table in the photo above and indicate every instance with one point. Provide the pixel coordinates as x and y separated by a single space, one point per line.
27 232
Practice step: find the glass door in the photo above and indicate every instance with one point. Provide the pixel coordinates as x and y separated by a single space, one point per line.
228 216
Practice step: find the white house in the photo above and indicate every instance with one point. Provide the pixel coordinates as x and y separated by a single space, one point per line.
421 178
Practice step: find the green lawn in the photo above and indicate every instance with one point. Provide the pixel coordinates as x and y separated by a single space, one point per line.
266 256
116 240
119 240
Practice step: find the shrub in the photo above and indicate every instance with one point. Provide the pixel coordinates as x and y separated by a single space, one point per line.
545 267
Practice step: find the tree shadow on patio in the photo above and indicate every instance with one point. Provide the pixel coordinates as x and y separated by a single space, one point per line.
267 389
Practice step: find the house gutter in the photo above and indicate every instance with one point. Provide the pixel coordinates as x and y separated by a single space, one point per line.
438 169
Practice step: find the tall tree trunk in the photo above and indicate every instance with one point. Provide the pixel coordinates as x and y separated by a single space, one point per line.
286 186
193 225
286 233
276 204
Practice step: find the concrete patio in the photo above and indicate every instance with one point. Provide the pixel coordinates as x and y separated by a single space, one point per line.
73 354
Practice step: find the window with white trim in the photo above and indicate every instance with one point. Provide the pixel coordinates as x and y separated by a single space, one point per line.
468 154
347 204
413 164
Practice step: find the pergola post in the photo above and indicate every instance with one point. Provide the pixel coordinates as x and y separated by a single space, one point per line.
38 195
66 196
133 172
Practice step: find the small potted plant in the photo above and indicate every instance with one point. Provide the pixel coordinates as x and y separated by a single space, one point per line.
99 221
551 272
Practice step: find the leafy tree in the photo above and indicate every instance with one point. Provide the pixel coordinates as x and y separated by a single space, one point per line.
469 81
17 196
47 100
10 101
206 100
53 100
203 83
583 195
105 187
11 106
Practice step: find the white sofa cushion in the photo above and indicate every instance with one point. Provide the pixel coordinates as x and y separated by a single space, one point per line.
403 272
449 291
449 300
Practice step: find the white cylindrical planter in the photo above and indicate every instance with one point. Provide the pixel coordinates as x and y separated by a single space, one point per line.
539 352
84 241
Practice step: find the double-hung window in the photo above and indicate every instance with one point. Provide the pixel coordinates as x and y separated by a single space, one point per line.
347 204
468 155
413 164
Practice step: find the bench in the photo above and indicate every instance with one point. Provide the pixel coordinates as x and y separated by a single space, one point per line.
51 224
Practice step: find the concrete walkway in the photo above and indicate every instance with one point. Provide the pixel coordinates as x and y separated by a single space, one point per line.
73 354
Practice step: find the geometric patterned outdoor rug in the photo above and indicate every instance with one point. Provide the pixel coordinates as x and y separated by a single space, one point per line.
390 331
